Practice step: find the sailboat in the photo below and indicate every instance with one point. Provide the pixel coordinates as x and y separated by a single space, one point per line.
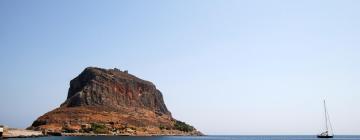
326 133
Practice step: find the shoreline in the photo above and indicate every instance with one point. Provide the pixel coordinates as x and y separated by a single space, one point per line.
23 133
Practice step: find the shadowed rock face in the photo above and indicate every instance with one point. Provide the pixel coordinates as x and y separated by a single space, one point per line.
114 89
115 99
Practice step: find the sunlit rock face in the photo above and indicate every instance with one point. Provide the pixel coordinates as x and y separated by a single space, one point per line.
114 89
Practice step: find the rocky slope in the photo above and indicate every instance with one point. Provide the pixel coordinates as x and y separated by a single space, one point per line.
110 101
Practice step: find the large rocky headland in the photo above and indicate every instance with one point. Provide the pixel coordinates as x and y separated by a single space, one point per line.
112 102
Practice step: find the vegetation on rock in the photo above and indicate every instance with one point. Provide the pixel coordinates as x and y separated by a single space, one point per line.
99 128
182 126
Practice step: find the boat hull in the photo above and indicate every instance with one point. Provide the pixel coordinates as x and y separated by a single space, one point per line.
325 136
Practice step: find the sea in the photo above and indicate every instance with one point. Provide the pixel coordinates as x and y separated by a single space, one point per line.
242 137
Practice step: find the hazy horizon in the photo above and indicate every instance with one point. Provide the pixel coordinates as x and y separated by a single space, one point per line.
225 67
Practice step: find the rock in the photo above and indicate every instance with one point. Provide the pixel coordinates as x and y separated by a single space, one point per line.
21 133
111 101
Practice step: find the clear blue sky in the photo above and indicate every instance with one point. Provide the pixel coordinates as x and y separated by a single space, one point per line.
226 67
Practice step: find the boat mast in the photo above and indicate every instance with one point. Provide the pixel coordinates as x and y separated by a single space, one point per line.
326 119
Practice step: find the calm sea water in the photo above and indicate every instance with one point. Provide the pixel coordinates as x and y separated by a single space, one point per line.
347 137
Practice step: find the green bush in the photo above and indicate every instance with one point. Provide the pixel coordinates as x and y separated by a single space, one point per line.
162 127
99 128
182 126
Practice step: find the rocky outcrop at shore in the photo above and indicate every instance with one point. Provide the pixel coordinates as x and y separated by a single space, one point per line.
21 133
111 101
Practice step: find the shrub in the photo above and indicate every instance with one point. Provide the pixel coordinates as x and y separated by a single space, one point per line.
162 127
182 126
99 128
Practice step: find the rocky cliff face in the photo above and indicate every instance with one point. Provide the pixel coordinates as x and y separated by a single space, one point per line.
114 89
112 101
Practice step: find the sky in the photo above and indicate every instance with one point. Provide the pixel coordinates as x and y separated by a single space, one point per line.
223 66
